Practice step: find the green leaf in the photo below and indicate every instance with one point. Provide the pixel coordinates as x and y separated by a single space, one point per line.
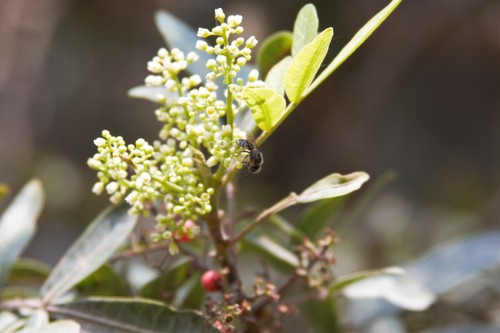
280 256
305 65
305 28
126 315
273 49
103 282
345 281
275 79
94 247
312 222
190 295
18 225
164 286
358 39
62 326
266 105
27 269
153 94
334 185
285 227
321 315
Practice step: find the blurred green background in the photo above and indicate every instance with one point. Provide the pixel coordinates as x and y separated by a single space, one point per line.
421 98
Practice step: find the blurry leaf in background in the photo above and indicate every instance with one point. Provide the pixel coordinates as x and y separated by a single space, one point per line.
321 315
61 326
344 282
190 295
92 249
178 34
274 48
152 94
123 315
277 254
37 319
4 190
103 282
9 322
305 28
18 225
316 217
275 79
166 284
433 275
25 279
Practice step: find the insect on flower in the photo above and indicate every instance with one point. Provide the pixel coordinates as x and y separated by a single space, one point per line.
254 158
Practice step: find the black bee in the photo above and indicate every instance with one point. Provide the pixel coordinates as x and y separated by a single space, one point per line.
254 158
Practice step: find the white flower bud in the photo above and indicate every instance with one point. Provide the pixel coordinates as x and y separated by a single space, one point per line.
98 188
99 142
211 63
112 187
192 57
234 20
219 15
251 42
253 75
221 59
201 45
195 80
212 161
163 52
202 32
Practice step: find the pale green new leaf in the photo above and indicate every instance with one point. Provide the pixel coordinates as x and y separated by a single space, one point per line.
266 105
94 247
18 225
358 39
275 79
334 185
306 64
127 315
305 28
272 250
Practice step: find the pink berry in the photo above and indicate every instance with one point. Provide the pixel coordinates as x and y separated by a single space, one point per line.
182 236
211 281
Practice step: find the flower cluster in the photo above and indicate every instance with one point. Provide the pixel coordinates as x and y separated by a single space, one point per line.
165 178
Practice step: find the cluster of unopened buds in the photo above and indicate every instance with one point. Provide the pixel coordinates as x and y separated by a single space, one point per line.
169 177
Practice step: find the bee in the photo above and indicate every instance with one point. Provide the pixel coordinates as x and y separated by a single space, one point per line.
254 158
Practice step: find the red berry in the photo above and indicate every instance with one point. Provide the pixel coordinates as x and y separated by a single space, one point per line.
183 236
211 281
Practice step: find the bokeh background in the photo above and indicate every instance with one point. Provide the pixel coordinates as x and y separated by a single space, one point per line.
421 98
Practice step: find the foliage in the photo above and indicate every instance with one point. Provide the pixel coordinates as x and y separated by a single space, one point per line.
188 273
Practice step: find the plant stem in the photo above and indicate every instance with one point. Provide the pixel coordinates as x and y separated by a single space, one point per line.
224 253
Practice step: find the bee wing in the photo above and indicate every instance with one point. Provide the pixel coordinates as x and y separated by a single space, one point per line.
251 139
